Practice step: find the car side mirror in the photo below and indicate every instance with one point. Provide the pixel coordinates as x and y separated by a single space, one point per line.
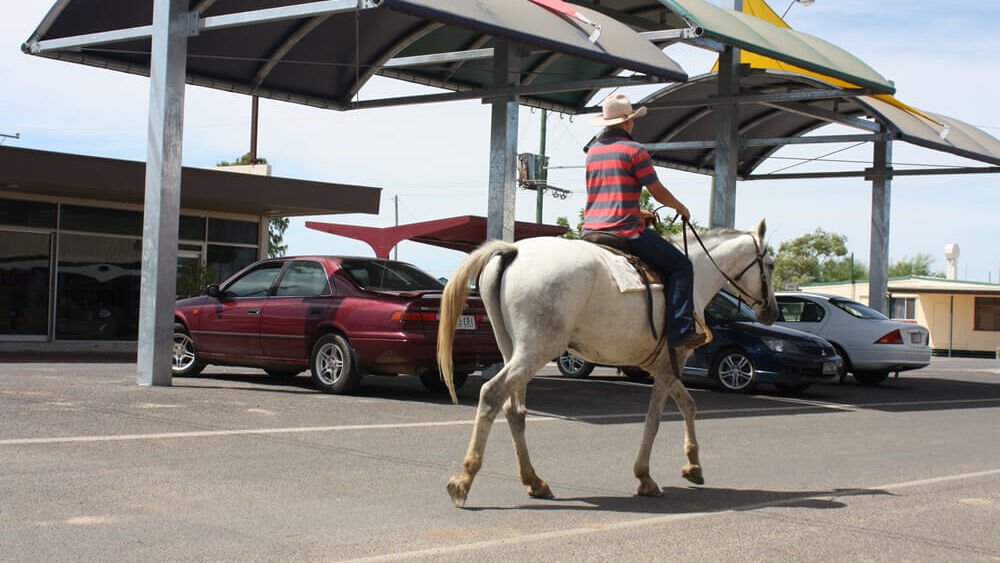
212 290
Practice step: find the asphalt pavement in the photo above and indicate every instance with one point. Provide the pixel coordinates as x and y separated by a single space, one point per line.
235 466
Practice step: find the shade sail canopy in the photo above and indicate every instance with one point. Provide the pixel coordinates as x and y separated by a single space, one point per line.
321 53
684 113
59 175
464 233
801 49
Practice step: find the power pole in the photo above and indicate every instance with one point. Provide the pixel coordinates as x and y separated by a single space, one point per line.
254 105
395 249
543 170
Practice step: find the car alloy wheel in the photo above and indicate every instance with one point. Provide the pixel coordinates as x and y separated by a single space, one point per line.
572 366
736 371
184 356
333 366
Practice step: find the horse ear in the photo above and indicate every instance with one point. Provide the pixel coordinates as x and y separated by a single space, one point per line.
761 229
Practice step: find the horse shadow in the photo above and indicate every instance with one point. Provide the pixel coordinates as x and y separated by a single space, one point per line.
697 500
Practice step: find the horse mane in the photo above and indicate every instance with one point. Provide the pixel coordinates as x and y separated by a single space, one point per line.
711 237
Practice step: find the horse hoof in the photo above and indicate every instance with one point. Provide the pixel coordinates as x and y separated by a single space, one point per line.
541 491
458 491
693 473
649 489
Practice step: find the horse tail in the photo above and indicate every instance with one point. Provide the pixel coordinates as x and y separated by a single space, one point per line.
456 292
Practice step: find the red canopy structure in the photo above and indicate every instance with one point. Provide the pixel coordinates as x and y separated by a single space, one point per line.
463 233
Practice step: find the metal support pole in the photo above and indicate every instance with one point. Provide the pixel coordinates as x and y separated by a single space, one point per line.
161 209
878 280
503 146
722 207
254 110
543 171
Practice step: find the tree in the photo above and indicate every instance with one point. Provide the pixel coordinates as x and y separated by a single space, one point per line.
803 260
919 265
276 226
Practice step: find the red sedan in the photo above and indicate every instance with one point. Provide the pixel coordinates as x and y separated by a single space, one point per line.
339 317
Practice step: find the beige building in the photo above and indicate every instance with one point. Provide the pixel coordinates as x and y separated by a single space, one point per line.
963 317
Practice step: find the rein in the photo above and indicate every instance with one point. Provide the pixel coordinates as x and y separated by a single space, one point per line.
758 260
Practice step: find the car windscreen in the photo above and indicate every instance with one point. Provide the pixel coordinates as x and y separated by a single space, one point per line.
387 275
856 309
724 307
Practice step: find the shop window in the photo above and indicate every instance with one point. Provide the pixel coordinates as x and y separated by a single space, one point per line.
191 228
20 213
988 313
903 308
101 220
24 283
98 287
231 230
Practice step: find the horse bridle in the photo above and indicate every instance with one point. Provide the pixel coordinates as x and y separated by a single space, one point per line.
733 281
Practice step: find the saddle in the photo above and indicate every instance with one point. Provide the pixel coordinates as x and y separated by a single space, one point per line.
618 244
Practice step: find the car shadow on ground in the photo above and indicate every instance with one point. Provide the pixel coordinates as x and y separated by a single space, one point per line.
616 400
694 500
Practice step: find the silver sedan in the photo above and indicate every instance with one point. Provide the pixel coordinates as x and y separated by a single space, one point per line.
871 344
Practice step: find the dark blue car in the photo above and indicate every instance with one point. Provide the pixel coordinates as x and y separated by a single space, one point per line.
744 353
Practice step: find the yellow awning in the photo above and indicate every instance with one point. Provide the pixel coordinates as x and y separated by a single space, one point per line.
759 9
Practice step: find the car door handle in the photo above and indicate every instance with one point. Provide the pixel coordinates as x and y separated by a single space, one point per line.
253 311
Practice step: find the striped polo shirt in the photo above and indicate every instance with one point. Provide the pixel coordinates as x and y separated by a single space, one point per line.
617 169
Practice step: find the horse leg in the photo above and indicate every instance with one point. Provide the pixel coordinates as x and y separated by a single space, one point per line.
661 391
685 403
516 411
492 396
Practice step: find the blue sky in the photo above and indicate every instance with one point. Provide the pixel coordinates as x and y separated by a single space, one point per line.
435 157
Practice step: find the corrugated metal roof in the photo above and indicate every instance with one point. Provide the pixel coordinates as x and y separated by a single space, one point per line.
697 121
70 176
324 60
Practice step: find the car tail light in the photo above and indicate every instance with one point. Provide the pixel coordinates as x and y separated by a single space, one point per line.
894 337
416 320
414 316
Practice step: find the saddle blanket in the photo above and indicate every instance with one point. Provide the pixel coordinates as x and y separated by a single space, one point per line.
624 274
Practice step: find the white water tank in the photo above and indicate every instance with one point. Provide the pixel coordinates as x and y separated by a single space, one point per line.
951 252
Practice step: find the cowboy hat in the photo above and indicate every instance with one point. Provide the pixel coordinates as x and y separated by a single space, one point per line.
616 109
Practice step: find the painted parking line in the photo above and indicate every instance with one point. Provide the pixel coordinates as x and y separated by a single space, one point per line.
794 405
656 520
808 402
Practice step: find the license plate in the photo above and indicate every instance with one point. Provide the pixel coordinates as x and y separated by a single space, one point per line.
466 322
829 368
916 338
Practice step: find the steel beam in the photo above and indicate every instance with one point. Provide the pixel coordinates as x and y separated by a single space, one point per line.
161 207
878 264
772 98
827 115
769 142
503 144
224 21
503 91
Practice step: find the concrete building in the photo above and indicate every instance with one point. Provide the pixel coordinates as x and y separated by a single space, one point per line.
71 241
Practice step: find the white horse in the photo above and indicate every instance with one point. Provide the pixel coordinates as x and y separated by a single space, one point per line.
548 295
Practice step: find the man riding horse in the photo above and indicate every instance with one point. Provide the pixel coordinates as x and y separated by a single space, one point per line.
617 169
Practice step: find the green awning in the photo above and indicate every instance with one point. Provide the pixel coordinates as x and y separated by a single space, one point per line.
758 36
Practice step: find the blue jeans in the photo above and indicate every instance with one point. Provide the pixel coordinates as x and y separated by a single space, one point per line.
678 280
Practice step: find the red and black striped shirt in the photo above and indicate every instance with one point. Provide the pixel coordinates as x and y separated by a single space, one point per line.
617 169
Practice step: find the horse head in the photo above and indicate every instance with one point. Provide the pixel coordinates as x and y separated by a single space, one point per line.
754 280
